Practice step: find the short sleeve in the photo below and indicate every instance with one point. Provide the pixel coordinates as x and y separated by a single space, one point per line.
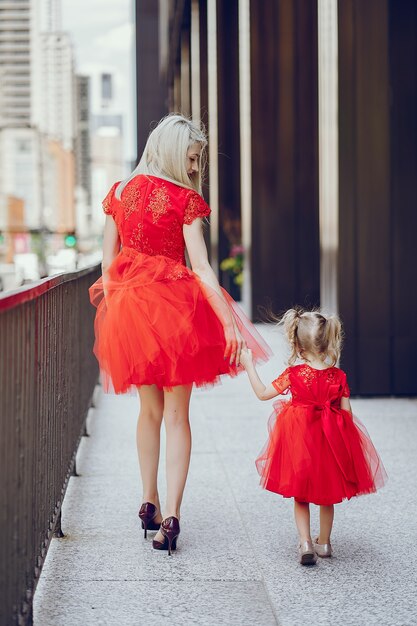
346 390
108 202
195 207
282 383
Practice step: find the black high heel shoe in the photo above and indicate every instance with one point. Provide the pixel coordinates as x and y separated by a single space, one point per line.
170 529
147 514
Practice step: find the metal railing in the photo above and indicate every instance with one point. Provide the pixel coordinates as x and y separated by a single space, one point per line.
47 376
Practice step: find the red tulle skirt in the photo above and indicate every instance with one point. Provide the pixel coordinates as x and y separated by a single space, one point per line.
318 455
158 324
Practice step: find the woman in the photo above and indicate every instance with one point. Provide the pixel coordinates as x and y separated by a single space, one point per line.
161 327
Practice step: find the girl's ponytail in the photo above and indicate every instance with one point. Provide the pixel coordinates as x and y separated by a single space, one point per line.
290 321
332 339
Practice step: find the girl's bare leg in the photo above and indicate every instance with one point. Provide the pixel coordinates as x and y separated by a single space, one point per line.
326 523
148 441
176 417
302 520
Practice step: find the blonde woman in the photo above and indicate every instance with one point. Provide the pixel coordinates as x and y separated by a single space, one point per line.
317 451
161 327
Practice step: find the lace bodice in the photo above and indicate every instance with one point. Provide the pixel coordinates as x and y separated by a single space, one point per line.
312 385
151 213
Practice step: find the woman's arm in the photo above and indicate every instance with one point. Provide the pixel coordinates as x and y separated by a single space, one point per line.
197 252
111 246
111 243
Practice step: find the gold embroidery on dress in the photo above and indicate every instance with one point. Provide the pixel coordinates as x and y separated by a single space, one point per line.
331 375
196 207
137 236
107 202
307 374
177 272
131 199
282 382
173 242
139 241
158 203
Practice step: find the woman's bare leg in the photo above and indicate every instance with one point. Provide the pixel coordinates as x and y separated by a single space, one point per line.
302 520
148 440
326 523
176 417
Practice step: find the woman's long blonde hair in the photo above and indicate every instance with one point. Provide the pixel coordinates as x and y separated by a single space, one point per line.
312 332
166 151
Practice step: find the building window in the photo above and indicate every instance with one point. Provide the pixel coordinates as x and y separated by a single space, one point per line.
106 87
22 145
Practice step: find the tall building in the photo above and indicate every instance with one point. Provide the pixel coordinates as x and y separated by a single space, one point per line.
57 129
83 141
37 118
20 171
19 140
16 47
57 110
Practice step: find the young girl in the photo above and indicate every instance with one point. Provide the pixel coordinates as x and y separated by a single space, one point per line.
161 327
317 451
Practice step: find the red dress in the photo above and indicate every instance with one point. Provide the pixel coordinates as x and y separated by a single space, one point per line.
159 324
316 451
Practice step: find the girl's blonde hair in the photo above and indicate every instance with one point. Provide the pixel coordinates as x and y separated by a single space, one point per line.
166 151
312 332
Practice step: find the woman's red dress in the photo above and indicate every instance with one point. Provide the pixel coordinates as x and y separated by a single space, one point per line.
158 323
316 451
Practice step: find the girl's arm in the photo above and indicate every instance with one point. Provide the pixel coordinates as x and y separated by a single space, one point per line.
345 404
197 252
264 392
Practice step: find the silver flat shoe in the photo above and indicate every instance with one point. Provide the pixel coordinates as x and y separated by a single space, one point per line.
323 550
306 553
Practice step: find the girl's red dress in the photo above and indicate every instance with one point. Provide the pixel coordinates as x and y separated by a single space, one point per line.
158 323
316 451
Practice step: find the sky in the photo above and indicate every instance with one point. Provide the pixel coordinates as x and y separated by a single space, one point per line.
102 33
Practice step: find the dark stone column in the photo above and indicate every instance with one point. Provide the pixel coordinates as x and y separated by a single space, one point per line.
151 90
285 204
378 191
185 60
228 132
403 81
364 222
204 99
203 63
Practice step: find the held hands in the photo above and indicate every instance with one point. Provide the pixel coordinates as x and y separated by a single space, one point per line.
234 344
246 358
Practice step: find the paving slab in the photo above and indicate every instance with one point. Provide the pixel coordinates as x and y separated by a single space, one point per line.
240 568
133 603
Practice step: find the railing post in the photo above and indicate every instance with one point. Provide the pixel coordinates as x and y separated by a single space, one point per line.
58 534
74 469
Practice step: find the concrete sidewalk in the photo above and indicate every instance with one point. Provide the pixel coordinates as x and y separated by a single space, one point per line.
236 562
